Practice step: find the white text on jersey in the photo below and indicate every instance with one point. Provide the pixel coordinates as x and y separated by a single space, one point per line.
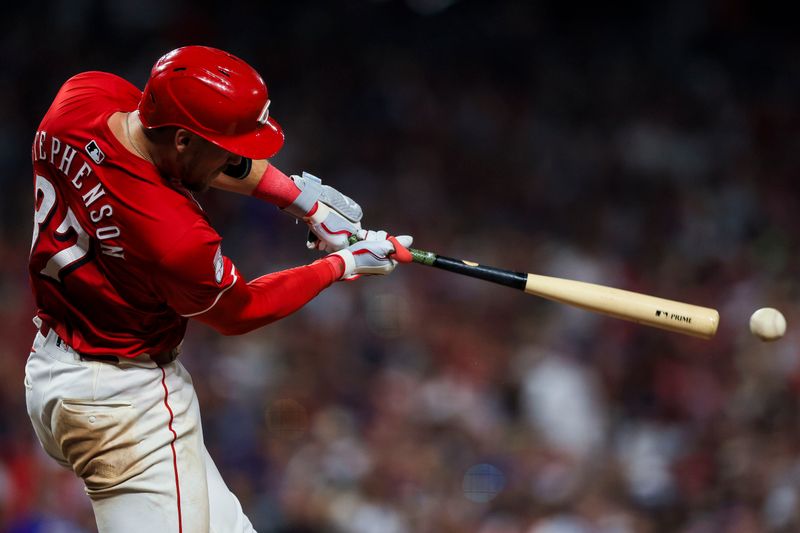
61 157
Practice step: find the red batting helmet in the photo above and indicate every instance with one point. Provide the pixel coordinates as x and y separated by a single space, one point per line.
214 94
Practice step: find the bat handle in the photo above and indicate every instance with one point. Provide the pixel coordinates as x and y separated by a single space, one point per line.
417 256
422 257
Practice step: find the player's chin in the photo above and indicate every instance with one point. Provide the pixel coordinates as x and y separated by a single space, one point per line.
202 184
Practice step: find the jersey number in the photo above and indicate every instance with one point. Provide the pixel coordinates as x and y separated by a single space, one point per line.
71 257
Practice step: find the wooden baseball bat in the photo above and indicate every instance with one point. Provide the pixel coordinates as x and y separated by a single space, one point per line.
649 310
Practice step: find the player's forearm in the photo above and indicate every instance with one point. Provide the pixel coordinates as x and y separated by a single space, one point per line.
264 181
248 306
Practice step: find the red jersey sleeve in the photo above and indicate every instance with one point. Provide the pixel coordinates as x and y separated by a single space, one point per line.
194 274
247 306
199 282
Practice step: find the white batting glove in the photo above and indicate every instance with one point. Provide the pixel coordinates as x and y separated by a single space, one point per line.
329 231
372 256
335 216
370 235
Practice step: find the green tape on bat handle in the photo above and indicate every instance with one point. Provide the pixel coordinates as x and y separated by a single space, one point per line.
417 256
422 256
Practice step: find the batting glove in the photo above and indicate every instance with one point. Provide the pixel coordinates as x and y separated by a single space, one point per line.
373 255
334 216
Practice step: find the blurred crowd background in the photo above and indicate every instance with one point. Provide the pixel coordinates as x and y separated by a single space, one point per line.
653 146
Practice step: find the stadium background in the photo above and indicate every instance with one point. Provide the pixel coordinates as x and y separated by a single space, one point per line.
651 146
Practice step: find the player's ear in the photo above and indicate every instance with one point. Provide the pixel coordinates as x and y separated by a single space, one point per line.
182 139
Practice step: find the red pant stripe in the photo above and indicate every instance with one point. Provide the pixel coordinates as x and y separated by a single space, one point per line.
172 445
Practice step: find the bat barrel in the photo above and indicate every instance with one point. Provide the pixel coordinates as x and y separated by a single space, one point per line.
649 310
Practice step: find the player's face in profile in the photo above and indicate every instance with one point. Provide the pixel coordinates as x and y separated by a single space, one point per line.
202 162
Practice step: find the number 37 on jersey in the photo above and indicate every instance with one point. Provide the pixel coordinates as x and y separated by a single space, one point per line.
66 244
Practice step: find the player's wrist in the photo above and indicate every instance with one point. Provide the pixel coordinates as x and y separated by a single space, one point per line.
276 188
346 260
317 214
336 266
306 202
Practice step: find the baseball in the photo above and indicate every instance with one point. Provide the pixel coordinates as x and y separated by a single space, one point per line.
768 324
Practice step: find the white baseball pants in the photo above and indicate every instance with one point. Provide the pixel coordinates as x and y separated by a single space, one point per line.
132 432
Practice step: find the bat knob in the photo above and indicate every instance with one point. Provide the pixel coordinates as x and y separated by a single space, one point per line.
401 253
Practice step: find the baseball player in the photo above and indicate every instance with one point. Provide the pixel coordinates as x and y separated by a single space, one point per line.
122 256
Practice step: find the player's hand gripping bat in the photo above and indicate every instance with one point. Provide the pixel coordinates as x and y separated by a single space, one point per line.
652 311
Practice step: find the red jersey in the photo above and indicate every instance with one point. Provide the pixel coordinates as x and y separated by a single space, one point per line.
121 257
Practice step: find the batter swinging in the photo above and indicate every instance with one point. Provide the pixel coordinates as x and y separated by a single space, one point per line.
122 256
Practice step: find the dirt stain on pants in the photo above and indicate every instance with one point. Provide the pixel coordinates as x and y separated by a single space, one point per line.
99 441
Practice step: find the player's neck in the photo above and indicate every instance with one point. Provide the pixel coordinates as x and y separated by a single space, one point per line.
137 139
120 124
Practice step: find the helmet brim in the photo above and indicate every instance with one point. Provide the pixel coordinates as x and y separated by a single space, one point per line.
262 143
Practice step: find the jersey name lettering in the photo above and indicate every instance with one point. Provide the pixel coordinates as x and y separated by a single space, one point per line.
77 170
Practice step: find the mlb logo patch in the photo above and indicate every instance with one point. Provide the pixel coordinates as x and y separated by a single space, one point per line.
95 152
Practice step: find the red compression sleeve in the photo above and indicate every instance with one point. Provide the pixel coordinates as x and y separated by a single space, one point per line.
276 187
248 306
